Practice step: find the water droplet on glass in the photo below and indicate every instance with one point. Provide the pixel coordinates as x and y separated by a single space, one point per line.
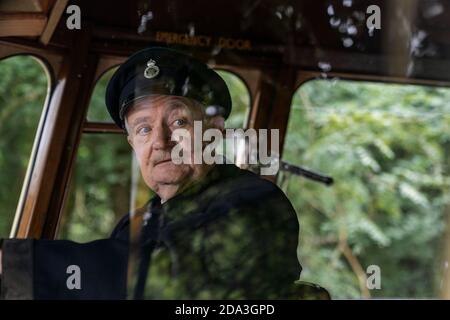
335 22
370 30
359 15
298 24
324 66
279 15
146 218
446 264
289 11
330 10
421 35
410 68
347 3
144 19
191 29
433 10
347 42
216 50
351 30
211 111
334 81
416 42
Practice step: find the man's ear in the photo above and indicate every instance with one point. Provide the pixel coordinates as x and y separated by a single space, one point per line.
217 122
130 141
127 130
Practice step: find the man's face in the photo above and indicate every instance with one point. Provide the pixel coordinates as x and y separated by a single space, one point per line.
150 123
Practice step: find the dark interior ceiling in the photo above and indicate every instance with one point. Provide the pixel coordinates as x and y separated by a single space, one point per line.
268 24
414 39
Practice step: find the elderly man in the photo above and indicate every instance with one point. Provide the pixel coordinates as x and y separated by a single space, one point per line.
212 230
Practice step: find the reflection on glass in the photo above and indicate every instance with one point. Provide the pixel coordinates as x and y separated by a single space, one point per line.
97 109
236 149
23 89
102 188
387 147
240 98
107 184
99 192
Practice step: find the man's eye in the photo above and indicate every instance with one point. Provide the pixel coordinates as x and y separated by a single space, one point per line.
143 131
179 122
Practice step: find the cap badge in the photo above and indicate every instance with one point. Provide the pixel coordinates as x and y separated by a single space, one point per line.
152 69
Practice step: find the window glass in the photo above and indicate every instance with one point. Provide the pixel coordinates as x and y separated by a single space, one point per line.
23 90
103 187
99 191
240 98
97 111
379 230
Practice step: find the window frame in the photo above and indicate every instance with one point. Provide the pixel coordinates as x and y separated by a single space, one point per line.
241 75
44 61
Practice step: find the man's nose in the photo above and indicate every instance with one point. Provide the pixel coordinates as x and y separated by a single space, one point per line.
161 137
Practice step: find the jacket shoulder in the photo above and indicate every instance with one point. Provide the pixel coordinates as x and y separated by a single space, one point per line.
121 229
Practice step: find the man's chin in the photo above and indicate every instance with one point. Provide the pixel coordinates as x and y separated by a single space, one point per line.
168 173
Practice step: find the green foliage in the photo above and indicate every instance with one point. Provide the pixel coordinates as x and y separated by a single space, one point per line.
240 98
387 148
97 110
23 89
100 191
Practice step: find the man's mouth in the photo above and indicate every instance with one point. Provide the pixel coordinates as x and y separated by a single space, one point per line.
162 161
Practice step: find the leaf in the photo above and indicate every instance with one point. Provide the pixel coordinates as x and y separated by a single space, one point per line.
366 159
384 148
411 193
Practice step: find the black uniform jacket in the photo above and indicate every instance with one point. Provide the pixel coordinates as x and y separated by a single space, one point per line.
232 235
